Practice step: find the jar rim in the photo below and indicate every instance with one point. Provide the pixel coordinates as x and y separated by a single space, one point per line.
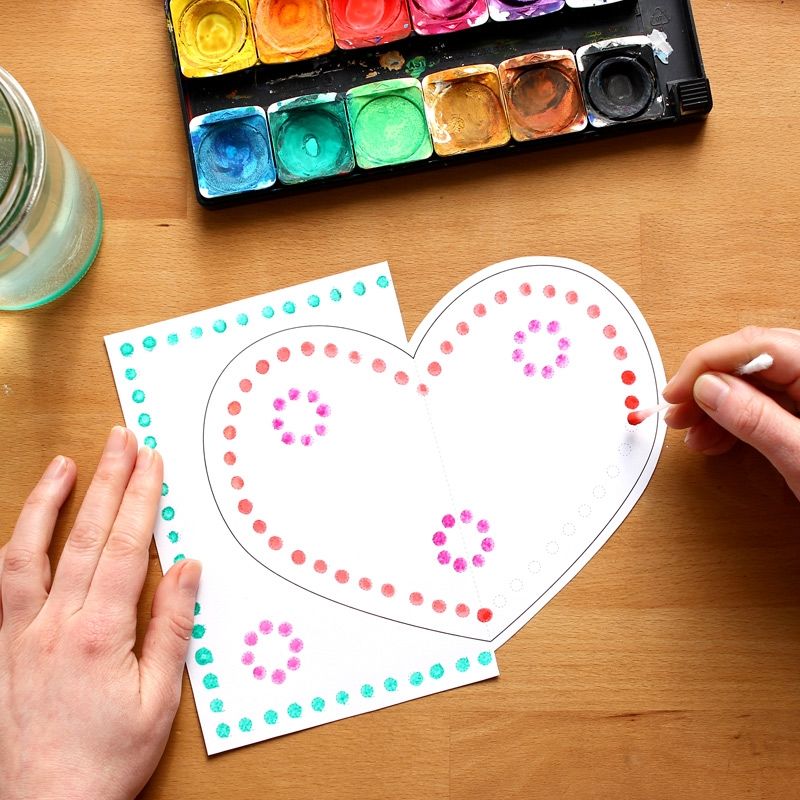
27 174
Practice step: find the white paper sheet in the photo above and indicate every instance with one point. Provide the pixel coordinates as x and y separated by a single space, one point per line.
405 508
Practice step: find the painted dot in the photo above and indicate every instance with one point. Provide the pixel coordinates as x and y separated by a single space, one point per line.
415 598
245 506
248 658
287 438
223 730
245 385
448 520
126 349
593 311
547 372
178 558
484 658
172 338
234 408
237 482
367 690
278 677
436 671
138 396
390 684
484 615
262 367
620 353
434 368
342 698
462 610
365 584
320 566
331 350
294 394
318 704
283 354
529 370
422 389
549 291
571 298
359 289
482 526
439 606
387 590
196 332
203 656
271 717
229 432
220 326
631 402
150 441
462 665
520 337
294 711
293 664
462 329
534 326
307 349
378 365
268 312
210 681
609 331
487 545
198 631
313 300
288 307
341 576
479 310
164 490
525 289
335 295
230 458
439 538
500 298
275 542
562 361
130 373
144 420
563 343
460 564
148 343
553 327
173 536
517 355
259 673
444 557
168 513
415 679
355 357
250 638
296 645
446 347
401 378
242 319
628 377
245 725
299 557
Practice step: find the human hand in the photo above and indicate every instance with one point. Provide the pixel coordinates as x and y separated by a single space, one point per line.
719 408
81 716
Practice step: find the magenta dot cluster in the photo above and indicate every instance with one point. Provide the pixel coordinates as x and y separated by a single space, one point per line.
461 563
265 628
322 410
529 369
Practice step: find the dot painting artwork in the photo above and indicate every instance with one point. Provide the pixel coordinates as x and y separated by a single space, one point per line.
330 593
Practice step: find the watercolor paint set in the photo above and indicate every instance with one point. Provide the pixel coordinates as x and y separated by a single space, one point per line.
281 96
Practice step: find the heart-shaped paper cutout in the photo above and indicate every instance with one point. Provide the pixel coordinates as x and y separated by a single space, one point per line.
456 489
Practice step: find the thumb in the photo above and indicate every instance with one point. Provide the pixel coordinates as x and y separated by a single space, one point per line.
754 418
167 638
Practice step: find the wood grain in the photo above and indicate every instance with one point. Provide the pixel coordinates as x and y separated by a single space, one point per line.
669 667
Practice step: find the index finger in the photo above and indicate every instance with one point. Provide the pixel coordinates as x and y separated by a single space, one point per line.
728 353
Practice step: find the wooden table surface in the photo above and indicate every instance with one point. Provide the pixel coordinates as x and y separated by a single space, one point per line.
669 668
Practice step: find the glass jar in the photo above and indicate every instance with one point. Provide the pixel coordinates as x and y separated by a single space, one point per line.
51 219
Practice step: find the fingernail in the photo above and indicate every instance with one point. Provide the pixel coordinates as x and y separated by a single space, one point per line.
58 466
117 439
710 391
668 414
189 579
145 459
666 388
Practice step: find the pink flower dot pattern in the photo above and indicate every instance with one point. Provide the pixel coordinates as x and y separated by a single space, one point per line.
284 631
321 412
529 368
461 563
